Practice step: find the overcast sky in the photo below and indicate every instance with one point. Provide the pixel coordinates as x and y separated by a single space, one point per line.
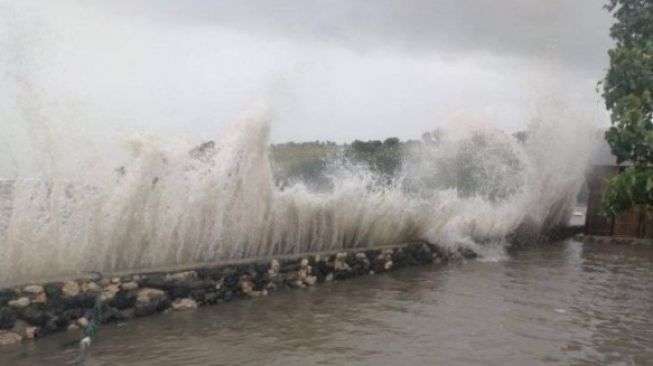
330 70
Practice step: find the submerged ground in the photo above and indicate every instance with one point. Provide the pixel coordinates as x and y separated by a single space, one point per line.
560 304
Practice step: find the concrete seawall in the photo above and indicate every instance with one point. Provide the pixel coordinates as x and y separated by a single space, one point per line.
37 310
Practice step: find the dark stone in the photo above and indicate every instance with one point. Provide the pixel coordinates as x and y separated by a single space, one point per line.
53 290
402 258
123 299
213 297
72 314
378 265
198 295
182 289
423 254
228 296
210 273
35 314
85 301
289 265
125 279
321 270
231 281
6 294
155 281
111 314
52 325
152 307
7 318
260 280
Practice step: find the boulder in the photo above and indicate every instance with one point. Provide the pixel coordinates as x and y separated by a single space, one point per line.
84 301
9 338
7 318
129 286
148 295
41 298
154 306
33 289
35 314
184 304
20 303
70 289
91 287
54 290
182 276
110 291
6 294
124 300
30 332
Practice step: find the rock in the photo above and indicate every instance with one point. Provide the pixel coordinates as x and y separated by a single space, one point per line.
73 314
310 280
20 303
35 314
6 294
129 286
231 282
84 301
53 325
82 322
30 332
184 304
123 300
321 270
211 297
9 338
33 289
41 298
20 327
154 306
182 276
70 289
110 291
111 314
303 263
274 268
115 280
54 290
7 318
388 265
73 326
148 295
246 287
90 287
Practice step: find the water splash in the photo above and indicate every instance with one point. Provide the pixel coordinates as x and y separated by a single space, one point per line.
166 206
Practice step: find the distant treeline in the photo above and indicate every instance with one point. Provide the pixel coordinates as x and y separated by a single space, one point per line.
310 162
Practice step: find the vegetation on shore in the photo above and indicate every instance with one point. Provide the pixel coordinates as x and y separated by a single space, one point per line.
628 93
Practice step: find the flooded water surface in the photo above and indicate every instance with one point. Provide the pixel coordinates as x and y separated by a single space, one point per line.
559 304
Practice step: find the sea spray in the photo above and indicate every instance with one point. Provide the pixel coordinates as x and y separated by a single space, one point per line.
177 204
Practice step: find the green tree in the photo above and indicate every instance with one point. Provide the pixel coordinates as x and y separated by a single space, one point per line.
628 93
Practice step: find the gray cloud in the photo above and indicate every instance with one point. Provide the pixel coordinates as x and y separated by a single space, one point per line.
575 31
335 70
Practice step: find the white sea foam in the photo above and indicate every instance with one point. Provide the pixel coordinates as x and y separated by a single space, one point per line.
166 206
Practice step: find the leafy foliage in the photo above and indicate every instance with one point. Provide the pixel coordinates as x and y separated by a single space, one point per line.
628 93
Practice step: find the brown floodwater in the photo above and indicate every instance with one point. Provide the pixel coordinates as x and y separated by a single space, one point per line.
558 304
